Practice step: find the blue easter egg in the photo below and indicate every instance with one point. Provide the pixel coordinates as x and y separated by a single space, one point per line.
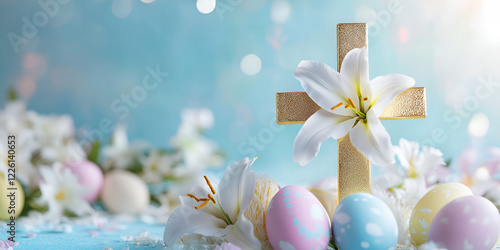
363 221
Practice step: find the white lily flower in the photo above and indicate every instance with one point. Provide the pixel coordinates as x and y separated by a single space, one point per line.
157 165
61 191
195 121
119 153
417 165
349 102
221 215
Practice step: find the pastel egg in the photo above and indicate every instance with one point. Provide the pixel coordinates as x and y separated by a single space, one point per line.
11 201
90 177
470 222
363 221
296 220
429 205
124 192
326 192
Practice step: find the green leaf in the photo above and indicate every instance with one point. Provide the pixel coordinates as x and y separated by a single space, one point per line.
94 152
12 94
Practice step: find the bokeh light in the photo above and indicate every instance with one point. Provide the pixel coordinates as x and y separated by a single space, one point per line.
280 11
26 87
479 125
251 64
121 8
205 6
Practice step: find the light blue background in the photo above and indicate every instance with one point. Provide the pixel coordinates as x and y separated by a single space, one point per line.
92 58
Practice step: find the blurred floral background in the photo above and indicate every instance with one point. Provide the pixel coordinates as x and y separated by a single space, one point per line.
142 70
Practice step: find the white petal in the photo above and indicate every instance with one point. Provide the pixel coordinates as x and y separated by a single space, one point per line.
319 127
386 88
242 234
373 141
237 188
186 220
428 159
406 152
209 209
325 86
355 71
415 187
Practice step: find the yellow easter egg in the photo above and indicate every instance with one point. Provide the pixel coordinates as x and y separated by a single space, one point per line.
11 200
429 205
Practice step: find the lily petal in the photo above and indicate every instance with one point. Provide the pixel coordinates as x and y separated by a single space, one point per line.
429 159
319 127
372 140
325 86
386 88
242 234
236 188
187 220
355 71
406 152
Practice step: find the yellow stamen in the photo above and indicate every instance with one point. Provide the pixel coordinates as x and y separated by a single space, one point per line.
347 106
351 102
204 199
202 205
336 106
211 198
60 196
194 197
210 185
365 99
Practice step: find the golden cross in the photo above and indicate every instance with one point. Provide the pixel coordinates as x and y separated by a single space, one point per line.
354 167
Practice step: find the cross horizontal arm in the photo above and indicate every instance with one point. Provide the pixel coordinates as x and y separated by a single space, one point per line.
296 107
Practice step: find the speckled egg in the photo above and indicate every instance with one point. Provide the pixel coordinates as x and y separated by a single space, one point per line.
363 221
470 222
429 205
90 177
297 220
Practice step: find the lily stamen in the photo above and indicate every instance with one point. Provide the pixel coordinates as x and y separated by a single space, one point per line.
210 185
336 106
351 102
194 197
211 198
202 205
365 99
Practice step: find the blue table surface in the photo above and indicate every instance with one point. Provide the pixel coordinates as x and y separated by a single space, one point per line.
81 237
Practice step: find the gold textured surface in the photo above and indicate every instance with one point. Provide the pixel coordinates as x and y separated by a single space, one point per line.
350 36
297 107
354 169
294 107
409 104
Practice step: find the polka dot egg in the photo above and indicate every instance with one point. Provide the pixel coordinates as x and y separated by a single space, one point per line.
297 220
470 222
363 221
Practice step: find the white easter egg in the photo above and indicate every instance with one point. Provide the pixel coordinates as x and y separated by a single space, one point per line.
124 192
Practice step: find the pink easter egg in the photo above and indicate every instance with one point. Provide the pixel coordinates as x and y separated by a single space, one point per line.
90 177
470 222
297 220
